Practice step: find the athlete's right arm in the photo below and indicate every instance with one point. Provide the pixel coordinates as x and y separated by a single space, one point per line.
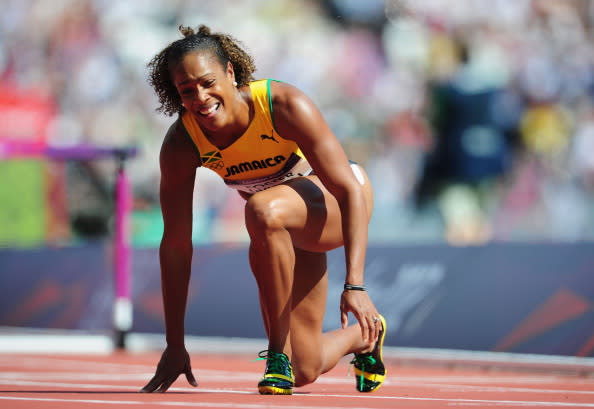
178 162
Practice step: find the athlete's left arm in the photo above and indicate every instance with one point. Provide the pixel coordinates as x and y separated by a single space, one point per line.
296 117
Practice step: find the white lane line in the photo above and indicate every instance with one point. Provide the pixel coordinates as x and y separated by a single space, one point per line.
169 403
101 387
453 401
66 376
8 378
503 389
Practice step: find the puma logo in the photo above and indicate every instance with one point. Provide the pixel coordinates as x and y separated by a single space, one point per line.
270 137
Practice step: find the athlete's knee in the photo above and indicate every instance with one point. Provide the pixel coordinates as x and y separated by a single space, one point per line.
263 214
305 374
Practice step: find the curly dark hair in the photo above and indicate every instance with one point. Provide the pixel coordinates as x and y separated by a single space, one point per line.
224 47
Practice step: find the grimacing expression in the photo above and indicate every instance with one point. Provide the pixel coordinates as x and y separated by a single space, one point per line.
205 88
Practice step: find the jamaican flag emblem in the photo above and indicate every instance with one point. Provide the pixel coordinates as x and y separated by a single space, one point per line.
212 160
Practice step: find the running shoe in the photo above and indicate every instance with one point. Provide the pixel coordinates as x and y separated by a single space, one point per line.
369 367
278 378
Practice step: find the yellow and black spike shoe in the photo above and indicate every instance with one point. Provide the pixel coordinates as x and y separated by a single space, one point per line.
278 378
369 366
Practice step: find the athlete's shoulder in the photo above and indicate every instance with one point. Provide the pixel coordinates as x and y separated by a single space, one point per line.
177 146
289 102
175 135
281 89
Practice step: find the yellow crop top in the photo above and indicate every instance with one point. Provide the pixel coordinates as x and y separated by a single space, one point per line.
258 159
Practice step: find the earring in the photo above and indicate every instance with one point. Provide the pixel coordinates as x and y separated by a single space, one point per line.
234 83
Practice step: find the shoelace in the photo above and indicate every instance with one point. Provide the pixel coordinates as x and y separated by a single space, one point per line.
275 362
363 361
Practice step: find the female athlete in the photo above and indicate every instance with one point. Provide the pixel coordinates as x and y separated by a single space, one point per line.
267 140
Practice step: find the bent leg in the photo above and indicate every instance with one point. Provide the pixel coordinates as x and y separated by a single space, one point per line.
312 352
275 218
290 227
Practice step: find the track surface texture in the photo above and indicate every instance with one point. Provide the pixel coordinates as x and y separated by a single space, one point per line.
113 379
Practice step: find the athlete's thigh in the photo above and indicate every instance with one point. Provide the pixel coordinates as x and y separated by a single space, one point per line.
310 213
307 210
320 228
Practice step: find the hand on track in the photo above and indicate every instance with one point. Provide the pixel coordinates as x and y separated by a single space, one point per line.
174 362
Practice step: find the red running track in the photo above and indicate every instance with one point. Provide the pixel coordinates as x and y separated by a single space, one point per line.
112 381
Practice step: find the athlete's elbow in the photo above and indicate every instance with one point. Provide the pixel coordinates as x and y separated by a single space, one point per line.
174 245
347 195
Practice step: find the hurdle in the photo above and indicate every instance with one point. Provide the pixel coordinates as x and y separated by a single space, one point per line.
122 317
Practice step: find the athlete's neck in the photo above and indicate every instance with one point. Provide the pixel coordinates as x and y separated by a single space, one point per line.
241 113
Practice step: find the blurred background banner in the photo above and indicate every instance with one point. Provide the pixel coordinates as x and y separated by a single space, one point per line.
475 124
529 298
25 116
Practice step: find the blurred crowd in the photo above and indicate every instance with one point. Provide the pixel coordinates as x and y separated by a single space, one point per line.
474 119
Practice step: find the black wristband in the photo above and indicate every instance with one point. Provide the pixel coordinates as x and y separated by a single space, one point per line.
348 287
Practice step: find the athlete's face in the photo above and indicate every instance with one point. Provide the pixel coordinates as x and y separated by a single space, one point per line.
206 89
